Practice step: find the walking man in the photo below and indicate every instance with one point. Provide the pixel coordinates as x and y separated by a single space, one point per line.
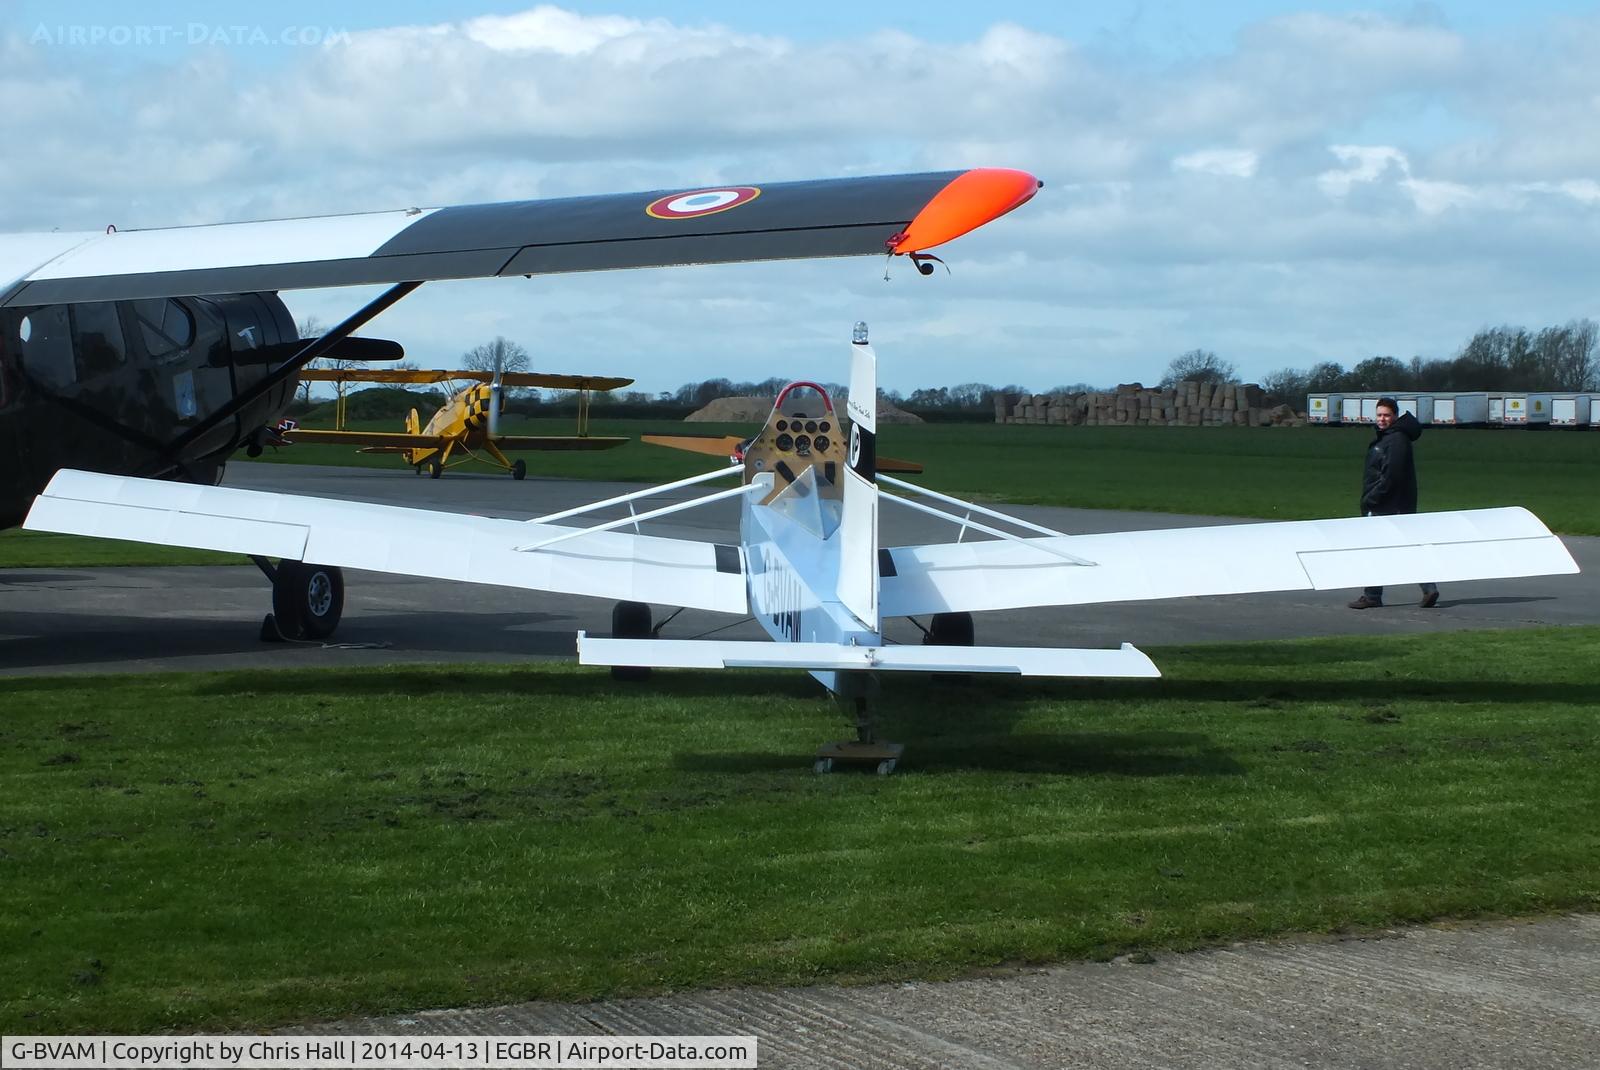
1389 484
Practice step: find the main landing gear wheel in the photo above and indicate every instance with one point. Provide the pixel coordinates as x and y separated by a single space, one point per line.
435 468
519 470
307 600
630 620
950 629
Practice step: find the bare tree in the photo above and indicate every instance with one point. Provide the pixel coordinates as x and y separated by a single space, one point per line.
1288 385
1199 366
498 356
310 327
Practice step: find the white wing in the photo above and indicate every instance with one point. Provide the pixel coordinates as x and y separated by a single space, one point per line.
1314 555
386 538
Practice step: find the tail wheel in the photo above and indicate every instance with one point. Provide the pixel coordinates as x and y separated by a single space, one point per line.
307 600
950 629
630 620
520 469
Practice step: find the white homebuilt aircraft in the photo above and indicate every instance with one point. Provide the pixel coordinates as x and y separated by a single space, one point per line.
809 565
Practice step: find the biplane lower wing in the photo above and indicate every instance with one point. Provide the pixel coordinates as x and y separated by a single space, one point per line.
386 538
1315 555
385 440
557 442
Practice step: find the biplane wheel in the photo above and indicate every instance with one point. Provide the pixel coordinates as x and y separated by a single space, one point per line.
520 469
435 468
630 620
886 767
950 629
307 600
823 765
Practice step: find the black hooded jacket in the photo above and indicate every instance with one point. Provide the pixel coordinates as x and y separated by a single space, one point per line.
1389 485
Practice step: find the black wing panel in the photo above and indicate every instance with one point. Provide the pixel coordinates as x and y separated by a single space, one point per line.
785 220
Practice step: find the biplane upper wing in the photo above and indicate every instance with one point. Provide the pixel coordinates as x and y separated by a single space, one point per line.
774 221
386 538
1313 555
553 380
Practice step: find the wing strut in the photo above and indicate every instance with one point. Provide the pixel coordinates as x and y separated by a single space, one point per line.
621 499
174 449
763 487
968 522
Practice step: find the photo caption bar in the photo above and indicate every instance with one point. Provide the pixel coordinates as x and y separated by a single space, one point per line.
375 1052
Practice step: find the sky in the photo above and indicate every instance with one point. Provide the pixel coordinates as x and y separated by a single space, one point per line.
1278 183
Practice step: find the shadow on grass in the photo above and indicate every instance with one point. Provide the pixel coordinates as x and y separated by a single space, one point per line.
1132 754
992 702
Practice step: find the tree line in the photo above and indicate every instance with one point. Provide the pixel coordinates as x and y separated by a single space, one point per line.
1565 358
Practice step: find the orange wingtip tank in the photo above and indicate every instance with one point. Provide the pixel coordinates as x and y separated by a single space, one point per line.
972 199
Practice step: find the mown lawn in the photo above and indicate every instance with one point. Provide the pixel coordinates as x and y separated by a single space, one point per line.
1276 473
235 850
1273 473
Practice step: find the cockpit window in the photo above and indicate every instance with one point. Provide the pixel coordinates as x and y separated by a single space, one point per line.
166 326
97 338
801 502
46 336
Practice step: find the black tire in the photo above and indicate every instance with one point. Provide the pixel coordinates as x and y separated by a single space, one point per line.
950 629
630 620
307 600
435 468
519 470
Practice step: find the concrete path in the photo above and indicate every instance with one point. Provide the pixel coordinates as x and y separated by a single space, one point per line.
1507 995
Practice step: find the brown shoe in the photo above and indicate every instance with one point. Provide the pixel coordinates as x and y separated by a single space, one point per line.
1429 600
1366 603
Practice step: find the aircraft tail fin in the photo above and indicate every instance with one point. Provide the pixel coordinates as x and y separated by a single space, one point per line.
413 423
858 526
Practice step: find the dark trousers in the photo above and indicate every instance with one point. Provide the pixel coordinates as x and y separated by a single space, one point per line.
1376 593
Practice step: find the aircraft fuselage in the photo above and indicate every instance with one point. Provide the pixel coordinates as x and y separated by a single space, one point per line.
109 386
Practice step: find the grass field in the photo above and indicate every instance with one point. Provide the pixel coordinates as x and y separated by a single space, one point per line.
1274 473
236 850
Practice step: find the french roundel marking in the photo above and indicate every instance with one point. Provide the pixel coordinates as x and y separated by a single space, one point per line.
701 202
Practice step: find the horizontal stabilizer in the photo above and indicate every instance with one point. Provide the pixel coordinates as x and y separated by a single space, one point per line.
713 445
741 654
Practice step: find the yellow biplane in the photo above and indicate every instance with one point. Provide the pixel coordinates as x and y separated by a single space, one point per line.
466 427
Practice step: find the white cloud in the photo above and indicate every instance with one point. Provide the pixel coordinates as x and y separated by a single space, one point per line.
1356 224
1233 163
